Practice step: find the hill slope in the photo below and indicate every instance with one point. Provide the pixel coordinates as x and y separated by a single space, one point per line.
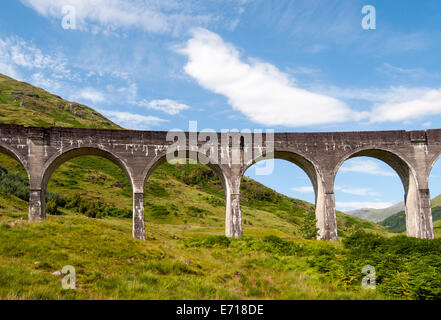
98 181
186 255
376 215
397 222
24 104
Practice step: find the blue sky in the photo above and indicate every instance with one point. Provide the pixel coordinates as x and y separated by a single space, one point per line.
242 64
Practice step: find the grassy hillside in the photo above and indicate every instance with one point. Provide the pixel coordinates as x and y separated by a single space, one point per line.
22 103
436 202
186 254
397 222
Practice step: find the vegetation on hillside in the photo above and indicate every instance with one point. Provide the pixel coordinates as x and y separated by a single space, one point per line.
24 104
186 255
397 222
405 267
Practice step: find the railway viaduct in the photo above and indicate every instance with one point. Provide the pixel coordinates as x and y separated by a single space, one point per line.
411 154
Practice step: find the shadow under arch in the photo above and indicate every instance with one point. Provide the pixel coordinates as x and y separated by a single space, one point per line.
414 224
57 160
226 183
16 156
162 158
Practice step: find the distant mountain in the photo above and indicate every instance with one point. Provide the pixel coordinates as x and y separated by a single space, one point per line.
397 222
377 215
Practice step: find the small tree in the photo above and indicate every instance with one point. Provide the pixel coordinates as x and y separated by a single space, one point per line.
308 227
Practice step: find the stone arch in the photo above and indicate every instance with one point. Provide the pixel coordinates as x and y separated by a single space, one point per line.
37 206
326 223
408 177
59 158
431 164
162 158
298 159
396 161
15 155
220 171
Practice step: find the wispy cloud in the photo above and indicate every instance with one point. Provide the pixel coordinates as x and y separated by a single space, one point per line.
393 104
395 72
365 166
301 70
161 17
90 94
426 104
377 95
16 54
41 80
362 205
250 86
131 120
304 189
165 105
357 191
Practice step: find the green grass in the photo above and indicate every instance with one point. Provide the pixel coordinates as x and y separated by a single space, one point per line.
169 264
185 255
111 265
397 222
24 104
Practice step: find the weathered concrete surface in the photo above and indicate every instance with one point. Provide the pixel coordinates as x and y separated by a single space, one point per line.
411 154
138 231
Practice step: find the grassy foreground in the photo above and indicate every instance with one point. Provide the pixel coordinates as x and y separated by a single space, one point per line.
171 264
185 255
182 262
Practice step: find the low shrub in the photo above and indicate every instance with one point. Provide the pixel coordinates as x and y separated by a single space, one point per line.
52 208
209 242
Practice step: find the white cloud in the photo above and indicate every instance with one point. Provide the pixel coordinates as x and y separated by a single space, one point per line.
362 205
166 105
17 55
397 109
394 104
357 191
394 94
303 70
132 121
259 90
90 94
427 124
304 189
165 16
406 73
23 61
40 80
366 166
